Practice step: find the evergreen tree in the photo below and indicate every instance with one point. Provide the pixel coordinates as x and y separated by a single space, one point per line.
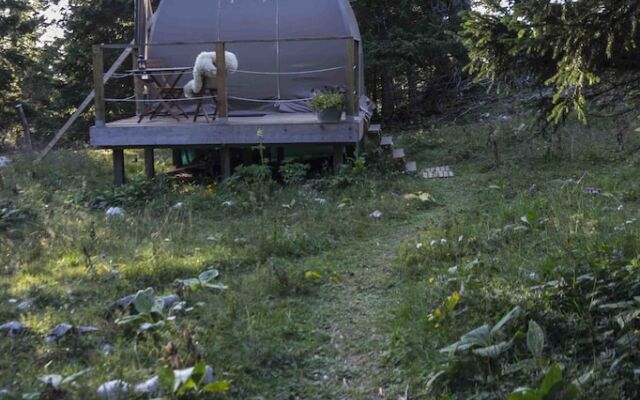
89 22
19 23
411 51
583 50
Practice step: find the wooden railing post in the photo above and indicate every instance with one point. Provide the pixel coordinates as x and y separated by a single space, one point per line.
356 74
138 86
350 68
221 76
98 82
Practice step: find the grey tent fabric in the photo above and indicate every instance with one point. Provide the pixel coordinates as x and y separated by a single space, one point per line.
189 21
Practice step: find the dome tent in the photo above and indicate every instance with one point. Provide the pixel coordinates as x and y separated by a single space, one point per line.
273 68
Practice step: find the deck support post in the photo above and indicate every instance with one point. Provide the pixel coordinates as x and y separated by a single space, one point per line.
149 163
221 76
176 157
338 157
119 177
225 162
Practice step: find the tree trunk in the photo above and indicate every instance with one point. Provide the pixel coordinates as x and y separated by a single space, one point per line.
412 82
387 96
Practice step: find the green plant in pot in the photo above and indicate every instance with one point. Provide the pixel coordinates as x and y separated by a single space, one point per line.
329 105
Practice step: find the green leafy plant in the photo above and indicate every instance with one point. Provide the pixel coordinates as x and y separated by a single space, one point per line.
137 191
149 312
10 215
202 281
552 387
197 384
328 99
294 173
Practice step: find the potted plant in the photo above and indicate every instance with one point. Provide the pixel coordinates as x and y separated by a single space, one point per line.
329 105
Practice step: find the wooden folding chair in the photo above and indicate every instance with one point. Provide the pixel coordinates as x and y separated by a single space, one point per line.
213 92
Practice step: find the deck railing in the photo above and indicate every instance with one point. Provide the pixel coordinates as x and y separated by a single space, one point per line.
352 70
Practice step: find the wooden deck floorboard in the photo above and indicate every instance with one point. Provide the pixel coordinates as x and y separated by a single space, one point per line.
301 128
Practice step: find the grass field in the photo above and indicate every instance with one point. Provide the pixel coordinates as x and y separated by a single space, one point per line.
322 301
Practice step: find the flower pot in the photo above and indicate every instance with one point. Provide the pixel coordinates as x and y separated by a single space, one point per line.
330 115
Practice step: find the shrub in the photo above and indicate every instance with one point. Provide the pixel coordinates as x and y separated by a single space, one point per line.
328 100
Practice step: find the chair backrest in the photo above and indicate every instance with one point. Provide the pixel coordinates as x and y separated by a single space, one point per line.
153 63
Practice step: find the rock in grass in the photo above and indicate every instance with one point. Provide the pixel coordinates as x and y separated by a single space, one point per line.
122 303
114 390
169 300
126 302
63 329
177 206
57 332
25 305
107 349
150 387
115 212
183 375
13 328
4 161
376 214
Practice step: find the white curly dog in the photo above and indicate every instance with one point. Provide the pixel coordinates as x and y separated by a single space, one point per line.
205 69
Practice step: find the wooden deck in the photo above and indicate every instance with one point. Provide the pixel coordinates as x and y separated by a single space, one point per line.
278 129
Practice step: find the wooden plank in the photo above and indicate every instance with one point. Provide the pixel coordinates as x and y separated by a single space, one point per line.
25 127
350 66
225 162
398 154
386 141
356 74
221 76
119 177
338 157
375 128
149 163
98 70
138 87
411 167
141 27
190 134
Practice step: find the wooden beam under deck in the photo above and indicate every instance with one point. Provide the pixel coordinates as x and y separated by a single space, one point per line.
279 129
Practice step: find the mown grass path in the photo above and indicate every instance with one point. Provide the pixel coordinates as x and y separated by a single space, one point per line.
358 313
358 310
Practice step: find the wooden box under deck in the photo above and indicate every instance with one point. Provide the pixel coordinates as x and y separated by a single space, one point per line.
277 129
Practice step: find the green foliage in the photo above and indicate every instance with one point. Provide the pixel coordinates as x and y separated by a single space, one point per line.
11 215
149 312
192 386
294 173
137 191
328 100
552 387
413 58
19 30
250 185
204 280
581 50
